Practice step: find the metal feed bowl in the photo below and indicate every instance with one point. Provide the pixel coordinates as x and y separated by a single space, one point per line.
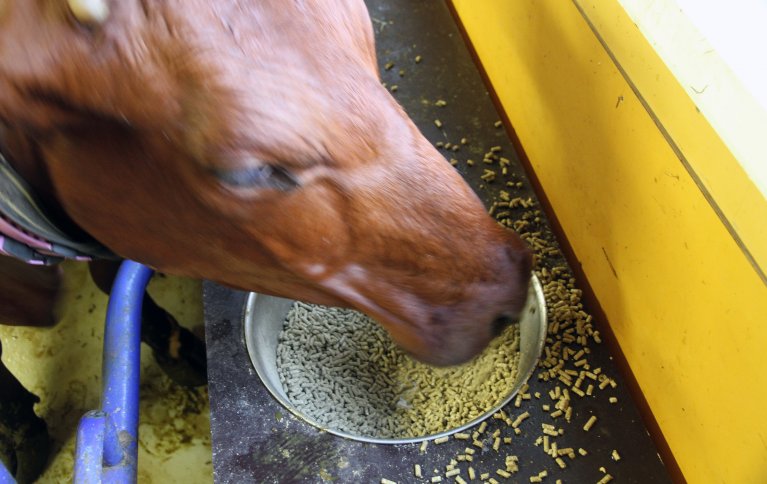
264 317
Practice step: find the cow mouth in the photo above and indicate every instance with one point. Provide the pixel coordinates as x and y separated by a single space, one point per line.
409 321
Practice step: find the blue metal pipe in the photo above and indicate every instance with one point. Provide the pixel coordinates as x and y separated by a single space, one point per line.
5 475
115 429
113 451
90 448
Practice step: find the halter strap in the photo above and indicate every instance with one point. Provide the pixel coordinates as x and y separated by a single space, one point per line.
29 234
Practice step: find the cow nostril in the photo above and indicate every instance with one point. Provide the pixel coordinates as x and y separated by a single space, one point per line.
501 323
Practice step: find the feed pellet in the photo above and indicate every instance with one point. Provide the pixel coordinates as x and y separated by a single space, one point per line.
341 368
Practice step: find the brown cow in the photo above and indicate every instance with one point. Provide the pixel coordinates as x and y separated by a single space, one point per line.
251 143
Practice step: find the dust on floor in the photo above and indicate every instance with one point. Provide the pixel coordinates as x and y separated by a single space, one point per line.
62 365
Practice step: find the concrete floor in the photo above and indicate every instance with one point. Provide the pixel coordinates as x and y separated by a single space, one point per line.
62 365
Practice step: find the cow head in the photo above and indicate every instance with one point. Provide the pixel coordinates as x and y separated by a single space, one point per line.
251 143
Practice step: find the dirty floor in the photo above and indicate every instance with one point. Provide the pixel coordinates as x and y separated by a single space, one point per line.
62 365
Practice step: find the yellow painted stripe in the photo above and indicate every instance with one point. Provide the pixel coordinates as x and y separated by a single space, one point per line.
684 302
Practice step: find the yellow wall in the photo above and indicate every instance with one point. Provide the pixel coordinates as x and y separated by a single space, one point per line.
687 307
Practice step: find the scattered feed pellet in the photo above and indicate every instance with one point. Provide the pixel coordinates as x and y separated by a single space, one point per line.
590 423
340 367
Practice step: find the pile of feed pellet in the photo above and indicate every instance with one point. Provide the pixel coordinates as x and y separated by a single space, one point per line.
341 368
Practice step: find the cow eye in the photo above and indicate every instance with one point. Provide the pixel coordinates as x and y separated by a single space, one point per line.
261 176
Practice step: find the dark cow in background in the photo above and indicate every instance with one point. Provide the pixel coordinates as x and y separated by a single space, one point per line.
249 143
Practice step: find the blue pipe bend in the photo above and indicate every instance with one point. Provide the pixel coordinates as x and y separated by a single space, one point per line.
118 429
